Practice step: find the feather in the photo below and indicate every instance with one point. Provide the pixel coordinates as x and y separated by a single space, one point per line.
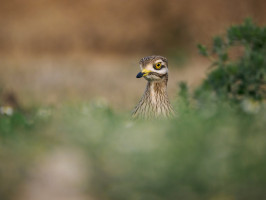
154 102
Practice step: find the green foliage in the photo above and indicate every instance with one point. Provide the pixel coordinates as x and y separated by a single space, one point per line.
240 63
21 142
202 50
208 153
183 102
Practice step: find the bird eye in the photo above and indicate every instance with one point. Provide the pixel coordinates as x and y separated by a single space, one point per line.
158 66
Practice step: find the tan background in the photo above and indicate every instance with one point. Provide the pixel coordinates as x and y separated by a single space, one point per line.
57 50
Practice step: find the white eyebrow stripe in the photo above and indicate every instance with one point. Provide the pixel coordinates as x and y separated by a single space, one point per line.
157 61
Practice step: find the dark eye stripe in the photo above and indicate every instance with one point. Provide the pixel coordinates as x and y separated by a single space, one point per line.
157 74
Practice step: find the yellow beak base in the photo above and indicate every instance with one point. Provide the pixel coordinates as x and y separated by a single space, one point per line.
144 72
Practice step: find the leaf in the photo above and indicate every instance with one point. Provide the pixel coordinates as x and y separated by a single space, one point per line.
202 50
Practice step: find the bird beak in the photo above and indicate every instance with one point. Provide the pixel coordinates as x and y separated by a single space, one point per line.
144 72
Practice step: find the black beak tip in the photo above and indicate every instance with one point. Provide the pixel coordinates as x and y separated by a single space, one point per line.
139 75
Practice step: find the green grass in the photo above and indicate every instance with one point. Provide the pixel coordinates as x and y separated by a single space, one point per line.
209 151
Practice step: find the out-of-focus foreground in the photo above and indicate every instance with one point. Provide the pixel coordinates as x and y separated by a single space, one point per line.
86 151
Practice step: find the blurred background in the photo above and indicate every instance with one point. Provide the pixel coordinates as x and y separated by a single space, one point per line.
67 86
54 51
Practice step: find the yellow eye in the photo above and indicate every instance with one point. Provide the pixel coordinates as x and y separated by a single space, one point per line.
158 66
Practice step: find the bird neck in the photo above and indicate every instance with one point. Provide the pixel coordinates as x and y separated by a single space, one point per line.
155 101
156 89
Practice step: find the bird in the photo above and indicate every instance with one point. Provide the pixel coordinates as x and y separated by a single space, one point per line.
154 102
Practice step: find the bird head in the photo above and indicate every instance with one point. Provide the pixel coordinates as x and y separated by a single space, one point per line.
153 68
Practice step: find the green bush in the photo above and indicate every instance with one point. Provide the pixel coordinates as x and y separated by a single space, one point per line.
21 142
240 63
210 153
